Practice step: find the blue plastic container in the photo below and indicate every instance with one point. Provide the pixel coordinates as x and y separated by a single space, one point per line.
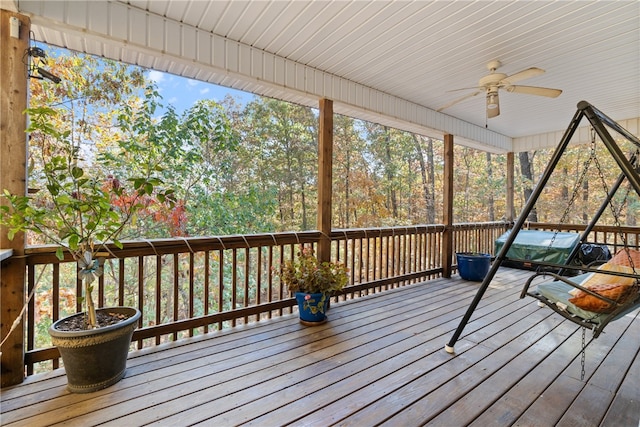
473 266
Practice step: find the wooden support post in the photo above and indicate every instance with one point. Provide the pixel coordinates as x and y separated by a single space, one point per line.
447 217
509 214
325 177
13 157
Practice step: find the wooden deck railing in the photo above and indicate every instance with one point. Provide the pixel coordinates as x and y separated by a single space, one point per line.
186 287
477 237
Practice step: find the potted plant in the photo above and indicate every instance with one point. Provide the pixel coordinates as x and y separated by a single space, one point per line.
312 282
83 211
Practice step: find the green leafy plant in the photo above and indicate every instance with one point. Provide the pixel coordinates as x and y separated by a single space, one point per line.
82 209
307 274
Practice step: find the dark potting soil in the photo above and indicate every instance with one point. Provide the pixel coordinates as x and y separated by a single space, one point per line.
78 323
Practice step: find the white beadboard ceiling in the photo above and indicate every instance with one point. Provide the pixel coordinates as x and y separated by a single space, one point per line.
392 62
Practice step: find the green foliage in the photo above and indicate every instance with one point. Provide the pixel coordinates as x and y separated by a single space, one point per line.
581 184
306 274
79 209
242 211
279 152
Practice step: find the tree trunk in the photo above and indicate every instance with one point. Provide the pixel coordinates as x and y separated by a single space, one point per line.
431 177
392 191
490 201
428 198
526 168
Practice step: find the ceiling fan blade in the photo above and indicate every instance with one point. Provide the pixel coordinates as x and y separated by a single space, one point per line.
464 88
521 75
452 103
533 90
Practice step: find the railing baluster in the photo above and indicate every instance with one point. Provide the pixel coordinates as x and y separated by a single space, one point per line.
121 275
191 289
207 272
31 322
158 296
246 302
101 302
141 291
259 262
55 310
220 284
176 293
270 279
358 261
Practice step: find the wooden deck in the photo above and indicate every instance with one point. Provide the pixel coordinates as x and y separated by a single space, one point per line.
380 360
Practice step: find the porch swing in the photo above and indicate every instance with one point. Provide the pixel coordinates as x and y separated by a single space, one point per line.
599 295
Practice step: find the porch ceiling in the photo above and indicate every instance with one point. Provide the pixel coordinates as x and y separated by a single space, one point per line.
392 62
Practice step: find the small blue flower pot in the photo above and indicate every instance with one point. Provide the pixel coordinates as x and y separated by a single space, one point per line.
312 308
473 266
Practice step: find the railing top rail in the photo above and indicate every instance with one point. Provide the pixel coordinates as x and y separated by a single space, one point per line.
482 225
630 229
39 254
43 254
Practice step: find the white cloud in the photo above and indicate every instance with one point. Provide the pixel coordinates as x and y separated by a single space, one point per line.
204 91
192 82
156 76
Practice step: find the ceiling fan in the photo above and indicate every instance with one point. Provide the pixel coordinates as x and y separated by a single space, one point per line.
491 83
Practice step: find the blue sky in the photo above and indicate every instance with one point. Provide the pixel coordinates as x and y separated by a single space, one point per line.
182 92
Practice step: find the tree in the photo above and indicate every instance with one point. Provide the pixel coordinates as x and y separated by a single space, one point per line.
281 144
491 215
526 169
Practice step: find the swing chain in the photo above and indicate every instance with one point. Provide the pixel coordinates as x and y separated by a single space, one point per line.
615 212
583 355
576 191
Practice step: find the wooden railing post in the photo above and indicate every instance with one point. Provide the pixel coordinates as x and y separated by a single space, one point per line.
13 145
325 176
447 218
510 212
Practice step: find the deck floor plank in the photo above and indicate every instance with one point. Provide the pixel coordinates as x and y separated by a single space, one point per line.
514 401
321 380
351 345
626 404
428 357
600 390
557 399
379 360
473 403
273 367
506 343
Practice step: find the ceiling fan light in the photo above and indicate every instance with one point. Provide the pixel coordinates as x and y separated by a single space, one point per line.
492 101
